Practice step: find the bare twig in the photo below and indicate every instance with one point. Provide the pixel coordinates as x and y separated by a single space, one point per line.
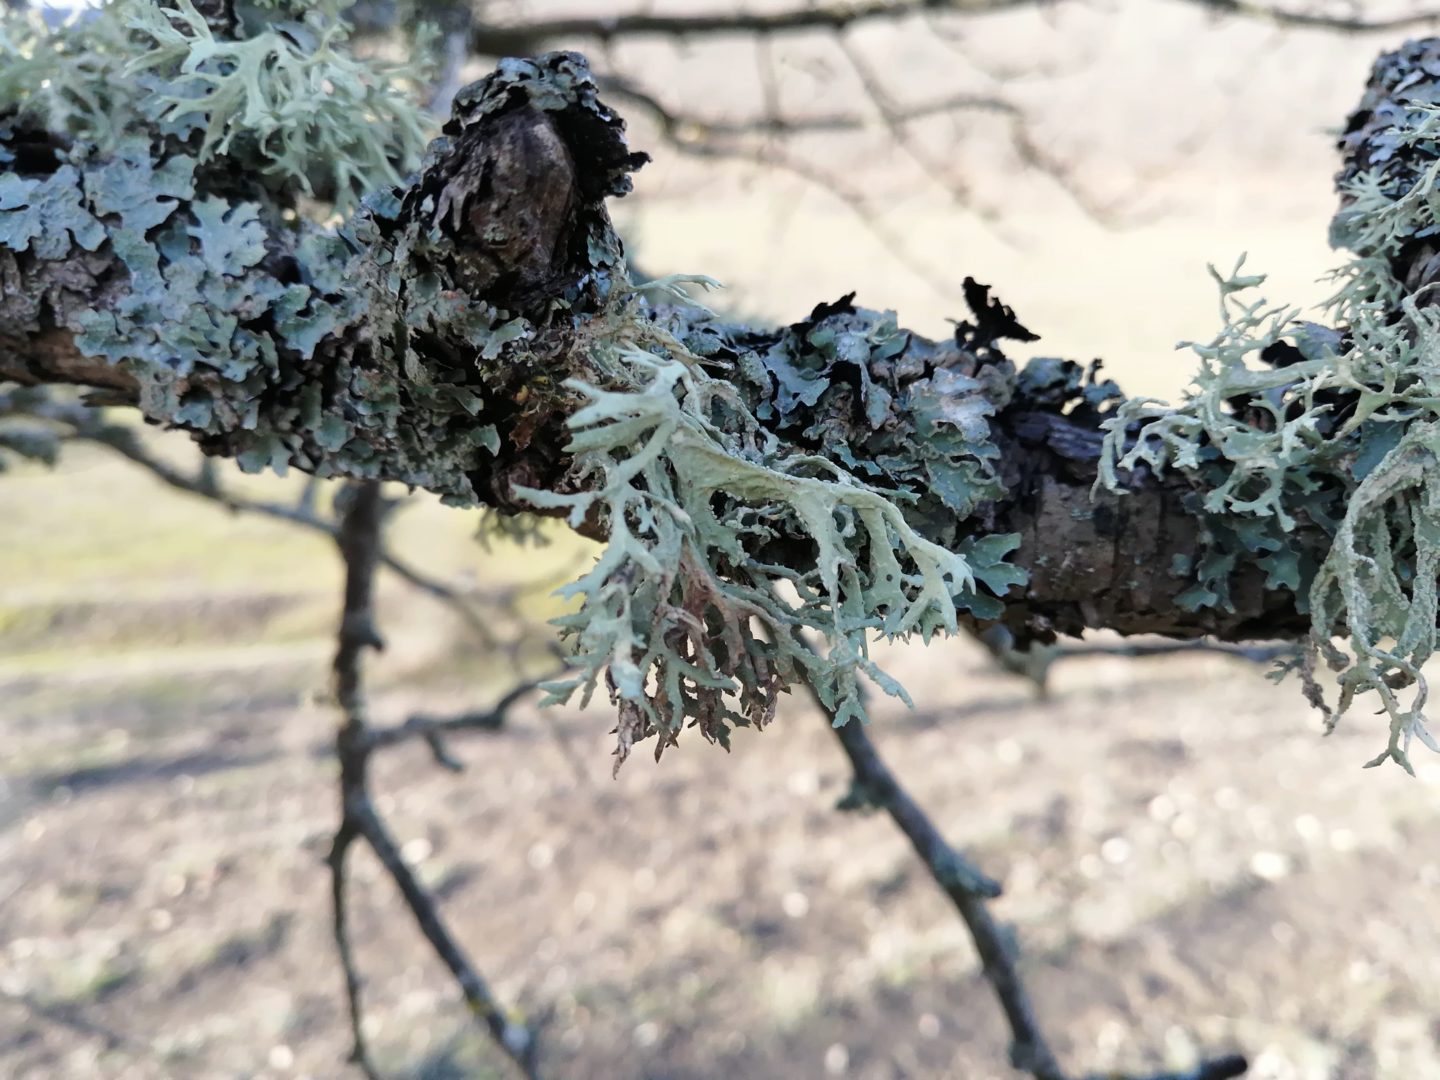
936 278
682 128
969 888
898 125
1255 654
359 541
358 536
345 835
1221 1068
496 40
490 39
1035 663
88 424
1300 18
433 729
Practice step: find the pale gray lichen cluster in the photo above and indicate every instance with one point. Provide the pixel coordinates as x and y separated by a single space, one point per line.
1293 425
685 616
288 96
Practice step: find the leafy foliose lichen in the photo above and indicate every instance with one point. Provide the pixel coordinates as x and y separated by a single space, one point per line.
727 545
284 94
178 156
1293 426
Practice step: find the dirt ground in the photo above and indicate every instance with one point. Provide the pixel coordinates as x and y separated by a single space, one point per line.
1188 864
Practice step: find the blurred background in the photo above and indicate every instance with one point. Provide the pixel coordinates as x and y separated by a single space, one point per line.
1188 864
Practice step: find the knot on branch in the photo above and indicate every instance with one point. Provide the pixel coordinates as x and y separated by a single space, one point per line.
516 183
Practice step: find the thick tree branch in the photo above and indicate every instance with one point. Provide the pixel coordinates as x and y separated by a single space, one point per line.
476 333
409 407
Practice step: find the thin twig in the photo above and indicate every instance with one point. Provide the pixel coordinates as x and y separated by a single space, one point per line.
359 541
937 278
490 39
1221 1068
682 127
968 889
1310 20
1035 663
524 39
966 886
1255 654
898 125
123 441
345 835
433 729
363 509
88 424
512 1036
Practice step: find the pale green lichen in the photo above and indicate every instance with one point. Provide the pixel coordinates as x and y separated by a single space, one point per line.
310 107
185 155
684 615
1292 425
287 95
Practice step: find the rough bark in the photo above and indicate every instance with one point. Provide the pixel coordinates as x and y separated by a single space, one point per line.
430 344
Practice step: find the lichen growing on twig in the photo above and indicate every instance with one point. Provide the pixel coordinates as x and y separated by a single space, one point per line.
1295 425
750 484
838 475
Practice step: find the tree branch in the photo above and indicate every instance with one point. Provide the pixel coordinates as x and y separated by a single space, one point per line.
359 540
476 333
495 40
1299 18
357 399
969 889
433 729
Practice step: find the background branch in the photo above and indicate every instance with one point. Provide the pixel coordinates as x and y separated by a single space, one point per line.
358 538
489 39
875 786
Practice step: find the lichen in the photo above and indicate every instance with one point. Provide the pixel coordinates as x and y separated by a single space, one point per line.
1292 425
753 486
182 159
694 614
287 97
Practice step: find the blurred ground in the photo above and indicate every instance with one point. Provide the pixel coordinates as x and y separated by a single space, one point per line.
1189 864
